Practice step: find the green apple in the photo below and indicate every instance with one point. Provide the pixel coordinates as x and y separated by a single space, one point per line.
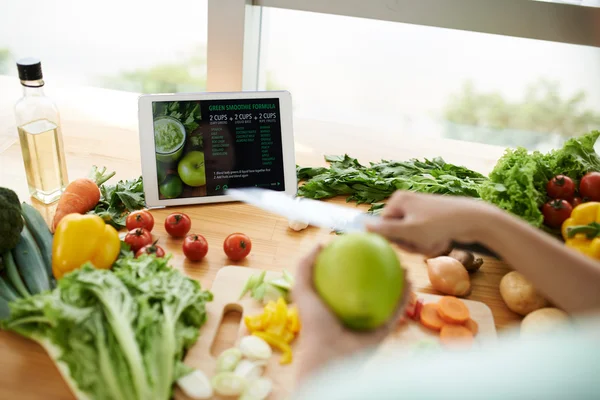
191 169
358 275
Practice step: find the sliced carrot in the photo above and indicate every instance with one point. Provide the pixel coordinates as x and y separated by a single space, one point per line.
455 335
430 317
472 326
453 310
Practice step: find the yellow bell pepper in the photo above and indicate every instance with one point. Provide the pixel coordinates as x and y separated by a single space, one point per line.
278 325
82 238
581 230
278 320
293 320
254 322
279 344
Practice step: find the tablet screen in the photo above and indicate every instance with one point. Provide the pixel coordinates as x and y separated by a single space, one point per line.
205 147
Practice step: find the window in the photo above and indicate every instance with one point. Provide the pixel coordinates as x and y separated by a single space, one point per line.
134 45
409 80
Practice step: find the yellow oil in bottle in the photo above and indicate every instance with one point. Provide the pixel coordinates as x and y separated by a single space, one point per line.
44 158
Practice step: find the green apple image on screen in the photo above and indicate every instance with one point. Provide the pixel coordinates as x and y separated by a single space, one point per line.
191 169
171 187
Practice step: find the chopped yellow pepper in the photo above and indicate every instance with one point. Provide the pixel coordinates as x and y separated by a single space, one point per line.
278 325
82 238
254 322
278 343
581 230
293 320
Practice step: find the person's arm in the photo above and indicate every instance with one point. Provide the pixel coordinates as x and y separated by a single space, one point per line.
429 223
568 278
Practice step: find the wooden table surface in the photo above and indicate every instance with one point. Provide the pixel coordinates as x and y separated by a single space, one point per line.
100 127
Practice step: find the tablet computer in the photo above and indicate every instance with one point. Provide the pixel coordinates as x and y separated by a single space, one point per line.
195 146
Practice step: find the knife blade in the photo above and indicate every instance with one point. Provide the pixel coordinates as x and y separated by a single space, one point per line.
321 214
313 212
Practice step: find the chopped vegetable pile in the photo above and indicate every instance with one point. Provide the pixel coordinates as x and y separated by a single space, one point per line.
119 334
277 325
450 317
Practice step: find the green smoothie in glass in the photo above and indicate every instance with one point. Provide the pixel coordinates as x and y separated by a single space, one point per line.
169 138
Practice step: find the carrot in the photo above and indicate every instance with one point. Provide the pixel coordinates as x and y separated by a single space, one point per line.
81 195
455 334
472 326
453 310
430 317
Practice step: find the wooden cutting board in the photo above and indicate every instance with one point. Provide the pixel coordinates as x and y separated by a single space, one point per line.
226 289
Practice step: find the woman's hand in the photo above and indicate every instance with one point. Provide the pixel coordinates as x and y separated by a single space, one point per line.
427 224
324 338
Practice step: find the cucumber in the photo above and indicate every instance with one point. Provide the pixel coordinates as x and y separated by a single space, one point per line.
41 233
13 274
30 263
4 309
6 290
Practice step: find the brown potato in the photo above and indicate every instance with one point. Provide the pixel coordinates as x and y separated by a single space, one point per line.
448 276
520 295
544 321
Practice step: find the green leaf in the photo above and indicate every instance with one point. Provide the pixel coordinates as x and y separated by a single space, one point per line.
117 201
121 334
346 176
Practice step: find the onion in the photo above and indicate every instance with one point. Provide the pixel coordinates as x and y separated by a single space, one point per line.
196 385
255 348
228 360
257 390
448 276
228 384
249 370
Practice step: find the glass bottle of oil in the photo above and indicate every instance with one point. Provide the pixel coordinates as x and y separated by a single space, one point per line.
38 122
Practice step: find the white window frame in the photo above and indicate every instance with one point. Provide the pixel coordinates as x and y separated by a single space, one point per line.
234 26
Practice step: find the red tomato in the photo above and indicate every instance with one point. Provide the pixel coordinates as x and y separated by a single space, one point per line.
561 187
556 212
140 219
576 201
237 246
195 247
138 238
178 224
589 187
151 249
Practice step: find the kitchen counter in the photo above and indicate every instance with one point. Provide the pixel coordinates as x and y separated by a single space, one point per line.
100 128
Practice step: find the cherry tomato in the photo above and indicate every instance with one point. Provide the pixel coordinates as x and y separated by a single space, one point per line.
138 238
237 246
589 187
140 219
195 247
556 212
561 187
151 249
178 224
576 201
